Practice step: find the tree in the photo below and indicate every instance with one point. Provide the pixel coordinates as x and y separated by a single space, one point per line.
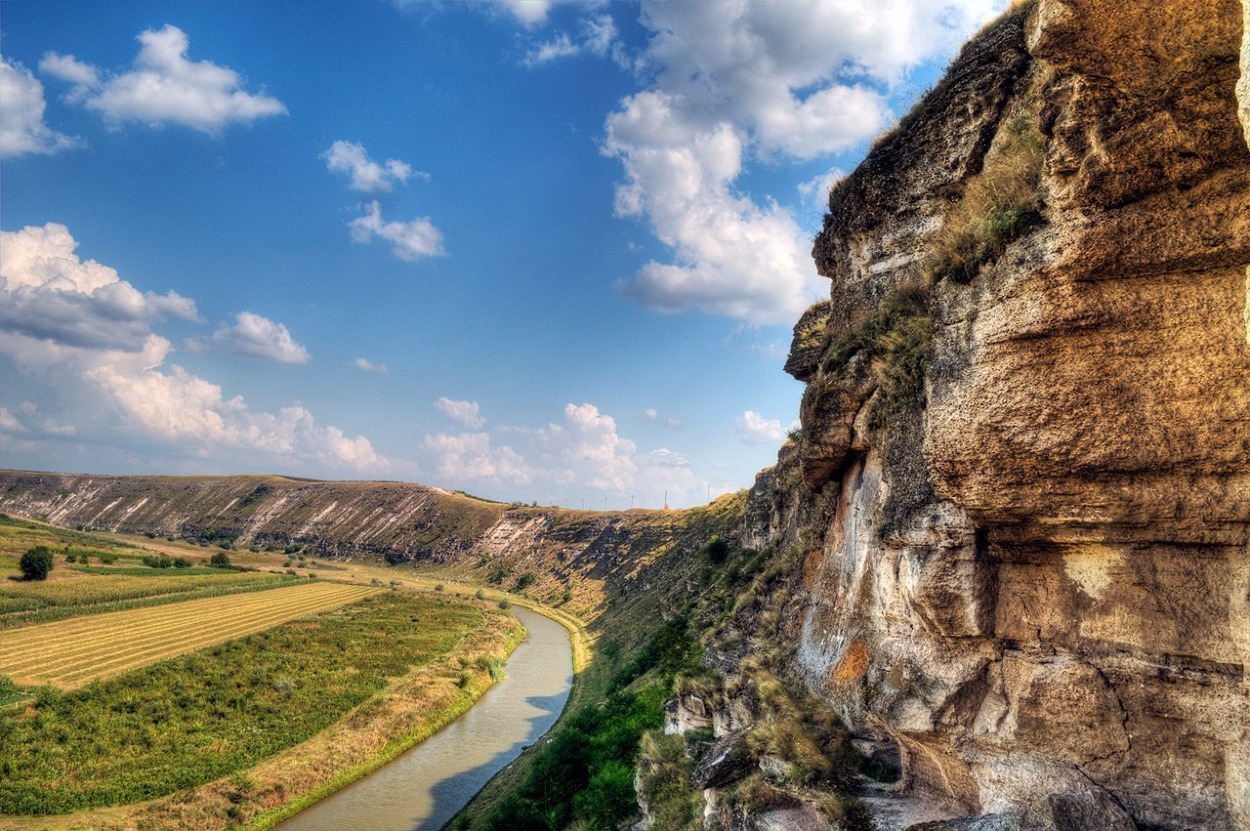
36 563
219 560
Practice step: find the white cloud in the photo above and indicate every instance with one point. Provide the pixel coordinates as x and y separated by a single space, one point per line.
470 457
597 36
369 366
367 175
260 337
22 129
121 390
10 423
673 421
163 87
583 453
650 414
815 191
465 412
754 428
48 293
412 240
781 82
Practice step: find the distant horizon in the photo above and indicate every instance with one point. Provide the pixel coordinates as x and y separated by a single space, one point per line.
539 250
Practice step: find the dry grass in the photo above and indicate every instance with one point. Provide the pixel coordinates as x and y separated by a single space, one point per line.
68 654
998 205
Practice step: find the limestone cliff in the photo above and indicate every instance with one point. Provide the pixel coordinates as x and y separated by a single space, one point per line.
1022 486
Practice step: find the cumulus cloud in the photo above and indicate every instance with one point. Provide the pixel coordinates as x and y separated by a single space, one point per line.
48 293
22 106
754 428
366 174
260 337
465 412
412 240
163 86
369 366
122 389
776 81
583 452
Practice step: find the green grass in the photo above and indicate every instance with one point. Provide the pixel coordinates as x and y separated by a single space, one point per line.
194 719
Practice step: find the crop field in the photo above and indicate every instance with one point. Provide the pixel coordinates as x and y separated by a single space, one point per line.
81 594
70 653
187 721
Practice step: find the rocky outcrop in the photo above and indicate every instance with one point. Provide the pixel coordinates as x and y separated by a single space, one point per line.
1023 477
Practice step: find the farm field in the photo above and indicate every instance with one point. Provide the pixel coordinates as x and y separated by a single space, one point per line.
70 653
26 603
206 717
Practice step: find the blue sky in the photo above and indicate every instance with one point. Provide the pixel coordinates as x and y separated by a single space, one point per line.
538 251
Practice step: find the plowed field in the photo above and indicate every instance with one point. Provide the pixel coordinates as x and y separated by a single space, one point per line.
70 653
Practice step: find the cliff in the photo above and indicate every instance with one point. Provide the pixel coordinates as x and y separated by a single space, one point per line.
1021 494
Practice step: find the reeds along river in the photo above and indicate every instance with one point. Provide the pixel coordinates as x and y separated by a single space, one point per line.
423 788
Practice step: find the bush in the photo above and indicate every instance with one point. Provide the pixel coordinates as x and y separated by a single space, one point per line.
479 594
220 560
525 581
181 562
36 563
716 550
504 604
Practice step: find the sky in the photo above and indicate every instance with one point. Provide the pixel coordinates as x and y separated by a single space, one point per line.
535 250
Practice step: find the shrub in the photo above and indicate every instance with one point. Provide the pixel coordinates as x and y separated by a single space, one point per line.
716 550
525 581
181 562
36 563
220 560
505 604
439 587
479 594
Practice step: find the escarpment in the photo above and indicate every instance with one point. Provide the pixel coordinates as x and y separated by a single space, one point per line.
1022 485
576 559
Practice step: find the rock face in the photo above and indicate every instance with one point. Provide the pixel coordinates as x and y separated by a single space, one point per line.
1023 478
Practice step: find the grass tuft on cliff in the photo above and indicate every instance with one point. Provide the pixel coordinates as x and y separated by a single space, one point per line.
998 206
893 343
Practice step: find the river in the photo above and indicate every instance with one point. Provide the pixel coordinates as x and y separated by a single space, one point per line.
424 787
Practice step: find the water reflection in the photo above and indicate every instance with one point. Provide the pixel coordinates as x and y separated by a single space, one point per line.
423 788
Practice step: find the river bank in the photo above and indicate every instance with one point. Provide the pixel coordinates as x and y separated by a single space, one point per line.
424 787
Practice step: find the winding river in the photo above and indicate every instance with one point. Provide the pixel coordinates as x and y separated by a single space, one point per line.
423 788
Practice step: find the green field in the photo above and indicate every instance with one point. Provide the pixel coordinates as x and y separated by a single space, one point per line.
192 719
70 653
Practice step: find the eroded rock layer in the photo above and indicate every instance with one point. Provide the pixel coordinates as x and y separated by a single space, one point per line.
1023 478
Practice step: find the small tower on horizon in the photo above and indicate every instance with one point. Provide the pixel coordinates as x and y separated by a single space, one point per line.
666 500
